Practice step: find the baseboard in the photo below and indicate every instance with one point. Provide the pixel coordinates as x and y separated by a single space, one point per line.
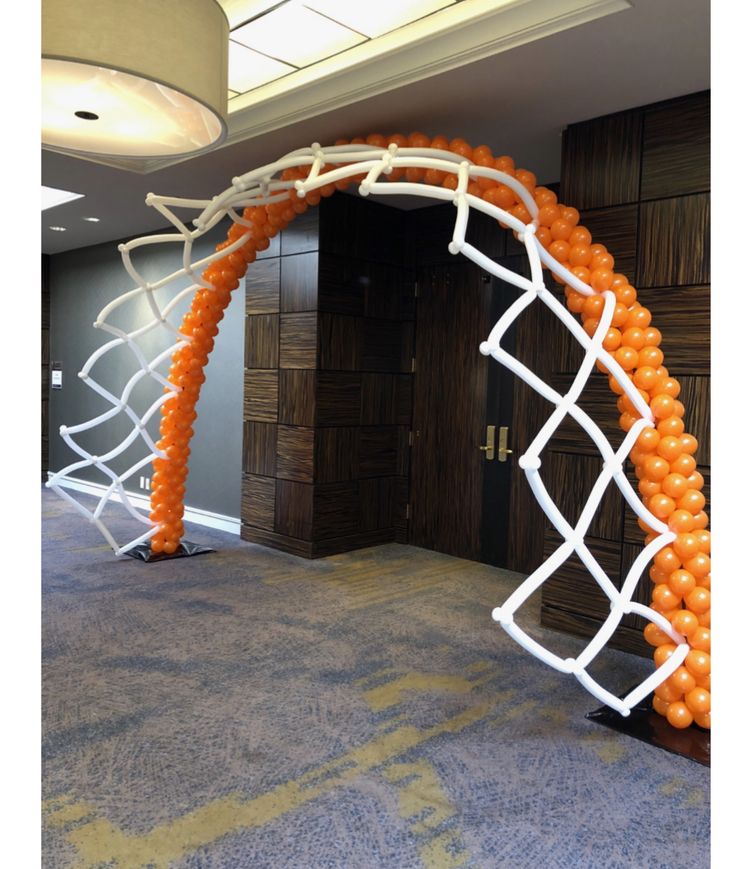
195 515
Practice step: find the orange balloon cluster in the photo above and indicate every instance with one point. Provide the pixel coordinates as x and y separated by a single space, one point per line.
669 482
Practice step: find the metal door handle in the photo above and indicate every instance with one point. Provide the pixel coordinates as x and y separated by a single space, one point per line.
503 437
489 447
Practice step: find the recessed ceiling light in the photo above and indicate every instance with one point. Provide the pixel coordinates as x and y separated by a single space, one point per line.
296 35
58 228
91 219
51 197
249 69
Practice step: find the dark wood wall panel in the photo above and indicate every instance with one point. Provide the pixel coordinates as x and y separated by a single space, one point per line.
261 402
298 340
569 478
338 398
259 498
376 502
378 451
644 193
695 395
297 391
674 246
676 149
294 511
262 341
337 509
336 454
262 287
342 284
340 342
299 282
682 314
259 448
601 161
295 453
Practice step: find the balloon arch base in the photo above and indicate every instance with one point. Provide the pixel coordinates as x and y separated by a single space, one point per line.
143 551
646 725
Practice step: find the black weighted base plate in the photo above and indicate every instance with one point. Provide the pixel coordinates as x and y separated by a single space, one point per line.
186 548
648 726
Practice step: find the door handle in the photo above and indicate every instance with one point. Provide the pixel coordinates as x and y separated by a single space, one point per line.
489 447
503 437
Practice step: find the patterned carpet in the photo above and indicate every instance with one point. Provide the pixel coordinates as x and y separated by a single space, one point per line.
248 708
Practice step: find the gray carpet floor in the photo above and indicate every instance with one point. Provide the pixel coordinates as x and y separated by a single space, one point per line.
248 708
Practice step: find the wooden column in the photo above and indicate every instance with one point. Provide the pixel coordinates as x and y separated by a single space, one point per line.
327 407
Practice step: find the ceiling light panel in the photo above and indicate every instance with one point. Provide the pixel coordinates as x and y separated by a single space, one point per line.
296 35
240 11
249 69
52 196
379 16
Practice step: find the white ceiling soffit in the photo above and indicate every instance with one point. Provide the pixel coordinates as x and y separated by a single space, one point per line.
464 32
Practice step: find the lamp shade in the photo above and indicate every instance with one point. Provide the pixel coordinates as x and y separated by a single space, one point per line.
134 78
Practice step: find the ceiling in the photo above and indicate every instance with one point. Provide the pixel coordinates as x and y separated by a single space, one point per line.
518 99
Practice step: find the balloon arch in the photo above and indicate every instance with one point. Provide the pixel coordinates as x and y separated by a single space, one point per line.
616 335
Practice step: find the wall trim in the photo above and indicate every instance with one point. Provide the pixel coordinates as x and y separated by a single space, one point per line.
195 515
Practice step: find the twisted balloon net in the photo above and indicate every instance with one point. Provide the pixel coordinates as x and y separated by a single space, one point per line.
616 336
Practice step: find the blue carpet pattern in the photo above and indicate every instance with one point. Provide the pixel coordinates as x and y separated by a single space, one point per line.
248 708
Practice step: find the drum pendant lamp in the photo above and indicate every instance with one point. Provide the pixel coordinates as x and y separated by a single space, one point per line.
134 78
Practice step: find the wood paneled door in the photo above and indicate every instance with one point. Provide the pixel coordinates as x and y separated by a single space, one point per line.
461 478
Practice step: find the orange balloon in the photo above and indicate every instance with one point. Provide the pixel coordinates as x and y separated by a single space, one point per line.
698 600
548 215
664 598
639 316
679 715
681 582
702 719
663 653
698 662
681 521
698 565
601 279
700 639
682 680
648 437
662 406
685 623
693 501
655 636
667 560
661 506
673 425
703 537
626 294
666 692
701 520
660 705
698 700
580 235
674 485
656 468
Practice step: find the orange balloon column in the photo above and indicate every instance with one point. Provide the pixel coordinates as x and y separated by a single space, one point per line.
663 456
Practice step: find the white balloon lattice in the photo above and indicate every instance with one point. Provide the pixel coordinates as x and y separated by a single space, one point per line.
331 164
